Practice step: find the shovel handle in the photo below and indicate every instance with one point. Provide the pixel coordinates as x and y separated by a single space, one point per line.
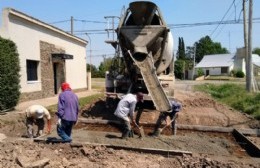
136 125
170 122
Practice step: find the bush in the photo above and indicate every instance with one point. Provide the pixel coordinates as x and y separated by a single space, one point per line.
179 68
200 72
9 74
240 74
233 73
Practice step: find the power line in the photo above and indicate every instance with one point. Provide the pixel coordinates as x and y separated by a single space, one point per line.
205 23
222 18
62 21
96 30
78 20
225 24
89 21
101 55
171 26
90 33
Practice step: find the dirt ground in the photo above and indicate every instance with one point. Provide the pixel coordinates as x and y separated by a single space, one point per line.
202 149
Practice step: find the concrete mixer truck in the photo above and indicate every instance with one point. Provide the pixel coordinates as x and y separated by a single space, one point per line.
146 46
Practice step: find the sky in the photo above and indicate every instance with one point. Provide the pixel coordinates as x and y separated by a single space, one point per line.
89 17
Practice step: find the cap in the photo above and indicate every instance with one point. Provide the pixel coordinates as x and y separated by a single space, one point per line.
65 86
39 113
176 106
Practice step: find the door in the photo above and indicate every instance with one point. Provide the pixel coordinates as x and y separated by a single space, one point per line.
207 72
55 67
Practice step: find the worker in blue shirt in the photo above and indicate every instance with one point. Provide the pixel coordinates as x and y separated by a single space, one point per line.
68 108
176 108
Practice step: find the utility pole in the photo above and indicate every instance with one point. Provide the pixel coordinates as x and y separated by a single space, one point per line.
248 83
89 73
71 25
229 41
194 56
249 89
104 58
90 51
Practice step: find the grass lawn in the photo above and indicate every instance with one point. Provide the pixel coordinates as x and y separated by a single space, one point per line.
234 95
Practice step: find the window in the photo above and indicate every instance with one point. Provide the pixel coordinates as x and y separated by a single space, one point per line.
32 66
224 70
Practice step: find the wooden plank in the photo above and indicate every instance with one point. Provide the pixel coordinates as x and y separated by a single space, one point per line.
205 128
250 131
248 145
163 152
98 121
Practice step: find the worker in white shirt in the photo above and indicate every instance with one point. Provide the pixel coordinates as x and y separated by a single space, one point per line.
35 114
125 112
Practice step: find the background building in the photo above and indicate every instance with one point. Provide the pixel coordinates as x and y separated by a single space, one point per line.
48 55
223 64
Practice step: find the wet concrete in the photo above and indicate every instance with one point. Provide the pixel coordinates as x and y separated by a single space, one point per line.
220 144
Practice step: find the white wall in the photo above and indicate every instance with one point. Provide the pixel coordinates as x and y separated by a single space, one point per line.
216 70
239 64
27 36
212 71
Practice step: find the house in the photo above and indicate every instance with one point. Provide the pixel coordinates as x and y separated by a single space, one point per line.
223 64
48 55
256 64
217 64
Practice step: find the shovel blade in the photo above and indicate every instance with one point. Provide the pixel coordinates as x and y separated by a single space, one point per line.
141 131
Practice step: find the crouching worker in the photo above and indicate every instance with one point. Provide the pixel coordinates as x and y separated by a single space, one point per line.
125 112
68 108
35 114
176 108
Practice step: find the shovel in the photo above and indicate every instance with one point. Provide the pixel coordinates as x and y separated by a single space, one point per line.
161 129
141 130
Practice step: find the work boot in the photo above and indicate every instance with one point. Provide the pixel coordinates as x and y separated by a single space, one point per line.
131 134
156 133
39 133
125 135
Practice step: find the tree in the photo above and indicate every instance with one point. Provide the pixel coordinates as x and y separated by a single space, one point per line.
184 61
190 52
94 70
205 46
106 64
9 74
256 51
101 70
181 49
179 69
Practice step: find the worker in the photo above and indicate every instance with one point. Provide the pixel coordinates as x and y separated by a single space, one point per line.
173 115
68 108
35 114
125 112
